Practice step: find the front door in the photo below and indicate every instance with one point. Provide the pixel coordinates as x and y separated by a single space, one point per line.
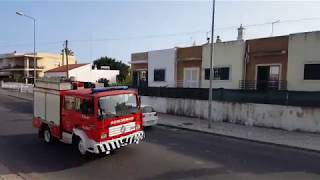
268 77
191 77
135 78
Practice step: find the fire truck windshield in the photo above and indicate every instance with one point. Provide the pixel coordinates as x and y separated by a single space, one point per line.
117 105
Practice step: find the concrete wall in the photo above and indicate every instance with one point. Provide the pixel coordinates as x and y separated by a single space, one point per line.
304 48
162 59
226 54
275 116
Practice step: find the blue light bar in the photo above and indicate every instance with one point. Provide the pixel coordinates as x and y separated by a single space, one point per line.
96 90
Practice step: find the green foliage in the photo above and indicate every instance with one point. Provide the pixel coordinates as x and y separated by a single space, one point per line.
127 81
69 52
114 65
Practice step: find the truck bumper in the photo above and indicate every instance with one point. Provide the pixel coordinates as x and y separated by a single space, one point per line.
107 146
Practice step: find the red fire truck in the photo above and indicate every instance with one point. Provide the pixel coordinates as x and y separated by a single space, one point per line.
96 120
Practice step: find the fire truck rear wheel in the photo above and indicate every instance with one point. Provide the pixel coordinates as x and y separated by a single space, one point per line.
47 135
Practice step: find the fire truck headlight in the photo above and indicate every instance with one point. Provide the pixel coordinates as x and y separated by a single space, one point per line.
138 126
103 136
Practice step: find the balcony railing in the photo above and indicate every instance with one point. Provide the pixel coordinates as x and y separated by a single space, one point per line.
263 85
20 67
188 84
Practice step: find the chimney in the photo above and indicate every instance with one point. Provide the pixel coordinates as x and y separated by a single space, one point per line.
208 40
240 32
218 39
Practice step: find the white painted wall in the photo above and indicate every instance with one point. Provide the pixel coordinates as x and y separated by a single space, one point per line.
162 59
304 48
55 74
87 74
226 54
265 115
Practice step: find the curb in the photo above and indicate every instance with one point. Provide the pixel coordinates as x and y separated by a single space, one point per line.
19 97
240 138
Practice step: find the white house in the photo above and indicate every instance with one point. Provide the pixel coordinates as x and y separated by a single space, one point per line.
162 68
83 72
228 60
304 62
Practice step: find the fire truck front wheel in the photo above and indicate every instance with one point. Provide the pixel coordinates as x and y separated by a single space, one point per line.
79 145
47 135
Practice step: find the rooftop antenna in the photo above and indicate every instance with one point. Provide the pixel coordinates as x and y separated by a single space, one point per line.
272 26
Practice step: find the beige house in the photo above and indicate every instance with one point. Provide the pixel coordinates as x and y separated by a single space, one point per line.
304 61
227 64
20 67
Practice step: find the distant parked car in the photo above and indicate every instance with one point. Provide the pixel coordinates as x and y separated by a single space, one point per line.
150 116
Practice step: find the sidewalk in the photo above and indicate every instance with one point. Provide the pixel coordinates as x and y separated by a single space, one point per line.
300 140
17 94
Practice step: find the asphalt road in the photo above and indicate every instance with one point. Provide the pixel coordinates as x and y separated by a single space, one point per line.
167 153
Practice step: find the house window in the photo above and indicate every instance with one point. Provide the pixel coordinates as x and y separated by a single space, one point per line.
159 75
221 73
312 72
207 74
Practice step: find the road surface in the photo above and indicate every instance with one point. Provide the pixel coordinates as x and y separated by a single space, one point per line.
167 153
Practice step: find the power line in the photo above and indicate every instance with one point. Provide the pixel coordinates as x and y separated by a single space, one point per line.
160 35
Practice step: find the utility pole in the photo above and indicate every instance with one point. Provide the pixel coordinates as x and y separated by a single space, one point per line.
211 67
67 53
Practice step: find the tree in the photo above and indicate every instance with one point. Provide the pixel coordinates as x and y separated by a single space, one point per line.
69 52
114 65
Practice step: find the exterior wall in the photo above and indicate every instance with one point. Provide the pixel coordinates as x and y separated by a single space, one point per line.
267 51
142 66
162 59
189 57
189 53
139 61
143 56
226 54
87 74
55 74
49 61
303 48
264 115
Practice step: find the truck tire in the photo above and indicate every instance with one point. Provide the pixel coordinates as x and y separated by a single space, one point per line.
79 145
40 133
47 136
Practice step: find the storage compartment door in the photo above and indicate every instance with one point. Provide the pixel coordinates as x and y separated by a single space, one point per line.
53 108
39 104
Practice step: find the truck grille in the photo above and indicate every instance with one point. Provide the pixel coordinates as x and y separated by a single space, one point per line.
121 129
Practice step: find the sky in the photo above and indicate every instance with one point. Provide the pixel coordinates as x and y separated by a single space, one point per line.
119 28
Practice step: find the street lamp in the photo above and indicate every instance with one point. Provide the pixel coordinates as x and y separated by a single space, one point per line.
34 43
211 67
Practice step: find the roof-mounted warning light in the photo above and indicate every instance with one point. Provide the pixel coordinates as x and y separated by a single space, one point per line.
96 90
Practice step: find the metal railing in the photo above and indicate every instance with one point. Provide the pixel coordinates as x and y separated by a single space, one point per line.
263 85
188 84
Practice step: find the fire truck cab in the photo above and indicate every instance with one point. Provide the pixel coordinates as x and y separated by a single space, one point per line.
96 120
